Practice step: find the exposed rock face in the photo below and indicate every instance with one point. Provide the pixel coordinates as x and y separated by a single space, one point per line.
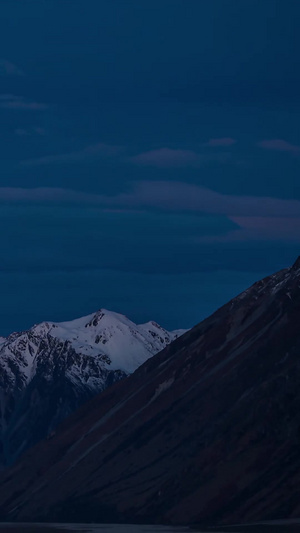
208 430
50 370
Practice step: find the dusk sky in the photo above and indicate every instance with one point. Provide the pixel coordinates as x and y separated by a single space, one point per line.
150 155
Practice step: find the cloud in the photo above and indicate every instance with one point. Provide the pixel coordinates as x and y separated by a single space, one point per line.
167 196
258 229
183 196
177 158
279 145
10 101
255 218
224 141
267 228
9 69
91 151
167 157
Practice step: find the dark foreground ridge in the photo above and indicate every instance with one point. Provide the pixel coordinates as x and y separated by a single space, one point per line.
207 431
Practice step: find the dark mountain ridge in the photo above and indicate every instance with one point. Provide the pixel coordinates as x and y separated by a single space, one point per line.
206 431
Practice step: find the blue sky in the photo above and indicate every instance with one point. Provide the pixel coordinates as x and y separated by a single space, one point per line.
149 155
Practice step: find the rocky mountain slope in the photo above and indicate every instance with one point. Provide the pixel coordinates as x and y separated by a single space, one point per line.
51 369
206 431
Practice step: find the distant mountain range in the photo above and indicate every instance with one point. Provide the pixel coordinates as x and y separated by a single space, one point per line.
51 369
205 432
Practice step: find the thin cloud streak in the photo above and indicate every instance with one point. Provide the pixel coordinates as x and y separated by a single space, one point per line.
166 157
182 196
177 158
279 145
258 219
167 196
274 228
263 229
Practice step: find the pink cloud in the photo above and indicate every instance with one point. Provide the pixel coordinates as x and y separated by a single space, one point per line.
166 157
223 141
279 145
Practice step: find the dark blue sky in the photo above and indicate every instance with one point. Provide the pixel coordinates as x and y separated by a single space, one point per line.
149 155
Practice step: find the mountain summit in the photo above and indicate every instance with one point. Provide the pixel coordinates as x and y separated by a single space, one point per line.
51 369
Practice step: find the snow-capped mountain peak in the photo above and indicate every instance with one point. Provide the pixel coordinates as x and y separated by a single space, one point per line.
62 364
